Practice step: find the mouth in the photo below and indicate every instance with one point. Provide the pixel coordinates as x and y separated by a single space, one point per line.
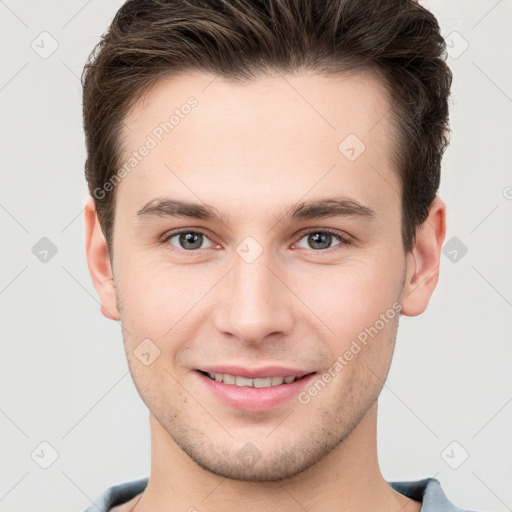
257 393
259 382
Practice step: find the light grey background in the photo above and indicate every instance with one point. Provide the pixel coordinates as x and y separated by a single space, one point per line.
64 377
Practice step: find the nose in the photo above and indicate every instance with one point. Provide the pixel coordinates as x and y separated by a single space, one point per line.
254 302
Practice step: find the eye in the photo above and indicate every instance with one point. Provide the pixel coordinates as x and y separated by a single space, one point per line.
187 240
320 240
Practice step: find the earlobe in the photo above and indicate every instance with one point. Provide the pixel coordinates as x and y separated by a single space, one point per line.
423 261
98 262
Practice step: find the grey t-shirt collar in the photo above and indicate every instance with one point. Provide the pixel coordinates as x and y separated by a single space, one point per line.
428 491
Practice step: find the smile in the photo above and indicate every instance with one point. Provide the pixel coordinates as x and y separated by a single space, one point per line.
261 382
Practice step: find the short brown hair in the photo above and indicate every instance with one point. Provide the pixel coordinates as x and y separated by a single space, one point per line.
398 41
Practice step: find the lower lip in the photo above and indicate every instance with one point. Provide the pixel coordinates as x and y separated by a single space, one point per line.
255 399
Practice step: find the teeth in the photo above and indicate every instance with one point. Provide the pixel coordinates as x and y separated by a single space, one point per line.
262 382
228 379
242 381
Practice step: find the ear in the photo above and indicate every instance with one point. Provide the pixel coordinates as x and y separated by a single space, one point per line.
423 261
98 262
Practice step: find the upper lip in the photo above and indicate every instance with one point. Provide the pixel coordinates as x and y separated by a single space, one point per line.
254 373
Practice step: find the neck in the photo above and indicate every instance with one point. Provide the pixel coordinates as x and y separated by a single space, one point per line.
348 479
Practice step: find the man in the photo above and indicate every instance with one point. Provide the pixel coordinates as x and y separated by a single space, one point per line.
263 180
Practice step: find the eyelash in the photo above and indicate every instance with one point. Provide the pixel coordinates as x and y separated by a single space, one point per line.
343 241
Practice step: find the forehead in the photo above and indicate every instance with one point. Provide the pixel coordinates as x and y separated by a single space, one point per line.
273 139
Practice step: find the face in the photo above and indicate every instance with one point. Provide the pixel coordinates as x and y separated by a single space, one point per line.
258 239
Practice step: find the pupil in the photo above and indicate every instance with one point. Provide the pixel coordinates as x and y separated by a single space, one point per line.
190 238
322 239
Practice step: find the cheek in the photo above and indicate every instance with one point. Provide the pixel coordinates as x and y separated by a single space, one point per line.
144 291
352 295
359 304
160 301
143 301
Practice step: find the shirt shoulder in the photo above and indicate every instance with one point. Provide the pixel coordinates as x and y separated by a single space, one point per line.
117 495
429 492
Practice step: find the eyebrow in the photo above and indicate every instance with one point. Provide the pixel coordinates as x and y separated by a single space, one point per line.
306 210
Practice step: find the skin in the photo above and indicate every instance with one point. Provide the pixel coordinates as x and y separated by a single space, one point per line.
252 151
